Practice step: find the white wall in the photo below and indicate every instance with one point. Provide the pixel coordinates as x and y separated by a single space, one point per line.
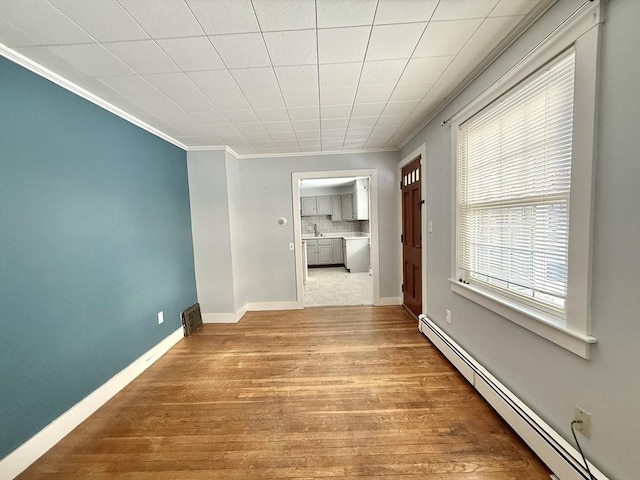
247 197
550 379
211 231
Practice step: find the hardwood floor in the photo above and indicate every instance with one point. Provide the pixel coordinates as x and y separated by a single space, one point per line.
342 392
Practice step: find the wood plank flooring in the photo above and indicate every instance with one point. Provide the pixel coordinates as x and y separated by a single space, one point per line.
334 392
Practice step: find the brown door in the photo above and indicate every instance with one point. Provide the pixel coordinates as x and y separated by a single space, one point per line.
412 237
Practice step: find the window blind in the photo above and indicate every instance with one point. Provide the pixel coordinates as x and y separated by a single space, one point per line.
513 185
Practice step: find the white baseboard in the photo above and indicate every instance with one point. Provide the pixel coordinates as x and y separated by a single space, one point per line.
219 318
559 455
17 461
240 313
384 301
262 306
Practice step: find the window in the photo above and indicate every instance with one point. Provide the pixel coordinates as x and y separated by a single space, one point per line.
524 158
514 178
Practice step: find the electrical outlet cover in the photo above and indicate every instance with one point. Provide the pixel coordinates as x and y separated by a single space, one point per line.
584 418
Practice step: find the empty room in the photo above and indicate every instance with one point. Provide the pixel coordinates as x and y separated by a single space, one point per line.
365 239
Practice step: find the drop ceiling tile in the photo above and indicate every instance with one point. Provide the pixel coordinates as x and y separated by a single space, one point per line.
12 36
93 58
310 145
242 50
306 126
272 115
166 19
297 47
390 120
394 41
260 99
230 139
382 71
506 8
244 117
461 9
374 93
345 13
256 137
400 108
43 23
255 78
460 67
367 109
332 144
308 135
297 77
283 136
337 96
336 111
254 127
410 91
446 38
339 74
333 123
301 98
337 45
192 53
354 145
358 132
180 89
274 15
489 34
106 21
193 130
245 149
223 129
404 11
45 57
214 80
145 57
225 16
207 116
304 113
362 122
275 127
425 70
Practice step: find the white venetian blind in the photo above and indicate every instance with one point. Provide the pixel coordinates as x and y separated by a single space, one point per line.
514 176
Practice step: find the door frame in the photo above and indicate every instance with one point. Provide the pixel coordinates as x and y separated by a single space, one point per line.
421 151
373 224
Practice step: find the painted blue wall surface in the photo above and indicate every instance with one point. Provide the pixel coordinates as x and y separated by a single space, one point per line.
95 239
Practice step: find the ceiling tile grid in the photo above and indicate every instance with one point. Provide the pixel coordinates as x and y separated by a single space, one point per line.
265 76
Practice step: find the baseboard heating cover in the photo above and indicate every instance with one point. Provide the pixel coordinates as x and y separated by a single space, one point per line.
558 454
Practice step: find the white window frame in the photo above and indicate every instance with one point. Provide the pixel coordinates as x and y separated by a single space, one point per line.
573 332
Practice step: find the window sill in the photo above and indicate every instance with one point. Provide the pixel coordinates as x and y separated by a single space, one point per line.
537 322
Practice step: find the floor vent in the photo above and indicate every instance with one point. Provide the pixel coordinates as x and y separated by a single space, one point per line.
191 319
559 455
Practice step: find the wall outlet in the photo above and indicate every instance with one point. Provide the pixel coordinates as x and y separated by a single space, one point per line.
160 318
448 316
584 418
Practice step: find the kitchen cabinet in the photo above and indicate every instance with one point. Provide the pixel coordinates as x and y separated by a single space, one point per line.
361 200
308 205
356 254
336 208
312 252
337 251
323 206
325 251
346 202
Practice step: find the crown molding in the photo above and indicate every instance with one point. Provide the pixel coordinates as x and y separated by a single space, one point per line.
310 154
38 69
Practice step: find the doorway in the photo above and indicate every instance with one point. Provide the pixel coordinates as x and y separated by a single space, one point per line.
336 237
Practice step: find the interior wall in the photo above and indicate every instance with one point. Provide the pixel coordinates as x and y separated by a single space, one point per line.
95 240
211 225
550 379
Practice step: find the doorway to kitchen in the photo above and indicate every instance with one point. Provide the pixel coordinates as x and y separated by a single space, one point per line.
336 237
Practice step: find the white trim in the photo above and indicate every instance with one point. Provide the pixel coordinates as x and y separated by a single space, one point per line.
219 318
559 455
373 225
264 306
81 92
534 321
240 312
580 31
27 453
386 301
422 152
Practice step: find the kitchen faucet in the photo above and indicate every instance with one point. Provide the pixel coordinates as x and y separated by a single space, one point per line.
315 230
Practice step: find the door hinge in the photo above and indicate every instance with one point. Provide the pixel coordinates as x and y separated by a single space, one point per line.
400 185
402 287
420 203
401 238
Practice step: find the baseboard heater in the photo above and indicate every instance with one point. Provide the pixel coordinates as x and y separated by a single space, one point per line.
560 456
191 319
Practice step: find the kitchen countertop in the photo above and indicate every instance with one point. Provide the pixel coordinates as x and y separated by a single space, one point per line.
345 235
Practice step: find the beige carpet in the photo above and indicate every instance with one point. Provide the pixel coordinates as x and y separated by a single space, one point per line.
328 286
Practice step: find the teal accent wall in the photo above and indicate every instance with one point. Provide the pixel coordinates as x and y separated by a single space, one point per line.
95 239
